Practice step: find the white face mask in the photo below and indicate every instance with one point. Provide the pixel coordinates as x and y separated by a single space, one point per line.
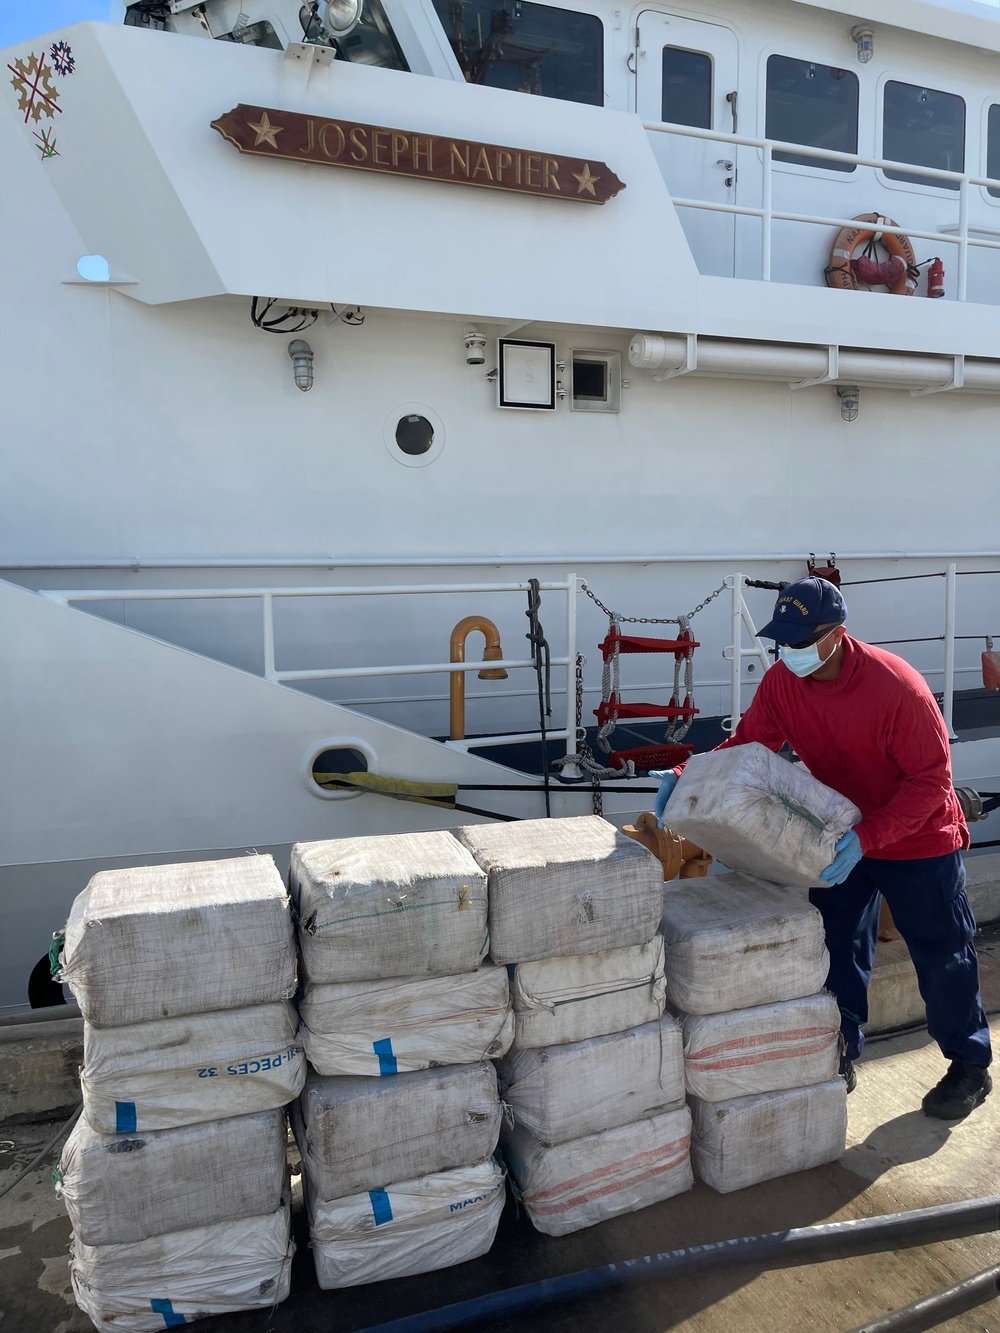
803 661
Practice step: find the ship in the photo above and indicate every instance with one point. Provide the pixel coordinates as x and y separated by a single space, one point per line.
410 408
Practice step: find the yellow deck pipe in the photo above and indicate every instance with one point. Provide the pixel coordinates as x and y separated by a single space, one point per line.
491 653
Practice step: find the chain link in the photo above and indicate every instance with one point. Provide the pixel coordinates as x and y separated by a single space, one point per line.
651 620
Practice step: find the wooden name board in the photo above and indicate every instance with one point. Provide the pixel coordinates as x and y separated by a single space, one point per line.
347 143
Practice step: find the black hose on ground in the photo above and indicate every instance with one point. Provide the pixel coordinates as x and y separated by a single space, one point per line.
830 1240
934 1310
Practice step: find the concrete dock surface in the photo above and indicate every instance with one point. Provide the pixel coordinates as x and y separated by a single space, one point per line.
896 1159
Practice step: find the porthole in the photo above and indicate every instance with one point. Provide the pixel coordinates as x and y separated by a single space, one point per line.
414 434
93 268
328 765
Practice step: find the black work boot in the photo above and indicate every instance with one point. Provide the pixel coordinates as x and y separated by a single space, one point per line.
847 1071
962 1089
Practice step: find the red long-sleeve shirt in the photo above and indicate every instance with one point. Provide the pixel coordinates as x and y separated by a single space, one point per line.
876 735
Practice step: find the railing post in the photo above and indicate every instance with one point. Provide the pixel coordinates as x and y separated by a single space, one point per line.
267 606
735 651
948 699
766 205
963 238
571 770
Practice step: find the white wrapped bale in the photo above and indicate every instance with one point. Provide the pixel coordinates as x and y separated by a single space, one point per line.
749 1139
395 905
561 887
123 1188
758 813
183 1071
765 1049
567 1092
358 1133
155 942
173 1279
389 1027
733 942
560 1000
417 1226
578 1184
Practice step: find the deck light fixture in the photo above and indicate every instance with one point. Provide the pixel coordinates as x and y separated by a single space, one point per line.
302 363
475 347
343 16
863 34
850 401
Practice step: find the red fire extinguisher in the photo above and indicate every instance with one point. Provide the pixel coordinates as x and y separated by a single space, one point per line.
935 278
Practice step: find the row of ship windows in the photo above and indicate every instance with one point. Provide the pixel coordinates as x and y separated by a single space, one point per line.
817 106
536 48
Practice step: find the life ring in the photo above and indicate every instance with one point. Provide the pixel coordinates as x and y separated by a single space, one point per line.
839 272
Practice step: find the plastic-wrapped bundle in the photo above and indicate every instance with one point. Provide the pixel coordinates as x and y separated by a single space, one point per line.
395 905
733 942
182 1071
746 1140
561 887
173 1279
359 1134
123 1188
566 1092
758 813
416 1226
389 1027
560 1000
764 1049
577 1184
155 942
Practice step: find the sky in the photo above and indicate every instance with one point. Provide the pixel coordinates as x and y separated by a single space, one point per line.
23 19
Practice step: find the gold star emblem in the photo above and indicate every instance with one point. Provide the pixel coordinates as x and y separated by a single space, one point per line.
586 180
266 132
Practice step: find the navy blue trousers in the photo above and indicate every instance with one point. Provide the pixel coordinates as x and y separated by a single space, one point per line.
929 906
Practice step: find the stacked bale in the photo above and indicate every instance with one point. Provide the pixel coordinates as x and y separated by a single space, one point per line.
401 1014
745 967
175 1176
594 1080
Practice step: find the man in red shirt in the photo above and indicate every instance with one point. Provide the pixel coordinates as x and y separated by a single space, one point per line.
865 723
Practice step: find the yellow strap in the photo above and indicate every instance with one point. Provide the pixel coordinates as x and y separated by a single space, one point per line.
424 793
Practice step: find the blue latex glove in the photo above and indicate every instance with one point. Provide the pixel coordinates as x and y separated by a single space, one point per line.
848 854
668 781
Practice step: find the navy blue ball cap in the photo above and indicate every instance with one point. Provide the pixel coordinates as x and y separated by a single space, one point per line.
802 608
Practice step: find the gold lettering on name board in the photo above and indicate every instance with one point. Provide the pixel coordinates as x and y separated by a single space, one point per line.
359 152
380 145
341 143
482 165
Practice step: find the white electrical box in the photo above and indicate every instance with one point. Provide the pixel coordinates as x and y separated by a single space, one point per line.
526 375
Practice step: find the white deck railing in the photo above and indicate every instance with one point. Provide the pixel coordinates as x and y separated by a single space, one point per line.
268 596
962 232
741 624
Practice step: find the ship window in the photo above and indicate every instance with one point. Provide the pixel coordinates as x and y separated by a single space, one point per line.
926 127
687 88
993 149
815 105
527 48
414 434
